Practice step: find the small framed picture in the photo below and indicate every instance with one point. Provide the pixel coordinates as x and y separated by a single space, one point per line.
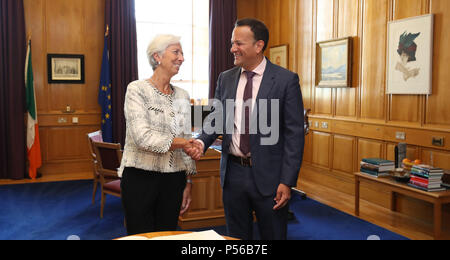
334 63
279 55
410 56
65 68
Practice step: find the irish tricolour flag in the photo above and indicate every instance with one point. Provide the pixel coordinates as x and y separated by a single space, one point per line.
33 145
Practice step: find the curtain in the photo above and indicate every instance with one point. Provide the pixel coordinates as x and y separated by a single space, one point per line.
120 16
12 90
222 16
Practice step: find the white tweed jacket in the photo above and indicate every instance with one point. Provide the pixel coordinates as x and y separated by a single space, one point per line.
153 120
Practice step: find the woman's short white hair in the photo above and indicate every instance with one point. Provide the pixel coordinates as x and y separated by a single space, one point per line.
159 45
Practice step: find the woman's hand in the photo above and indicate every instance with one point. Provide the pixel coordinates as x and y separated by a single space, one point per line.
186 199
193 149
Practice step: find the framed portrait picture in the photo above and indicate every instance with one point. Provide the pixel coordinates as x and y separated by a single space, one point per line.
410 56
65 68
279 55
334 63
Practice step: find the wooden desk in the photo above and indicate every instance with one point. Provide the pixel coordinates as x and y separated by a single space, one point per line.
206 208
436 198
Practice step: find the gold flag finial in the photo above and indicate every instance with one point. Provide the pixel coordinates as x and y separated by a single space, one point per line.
107 31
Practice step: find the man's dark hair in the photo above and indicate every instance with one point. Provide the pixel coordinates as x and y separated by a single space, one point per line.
258 28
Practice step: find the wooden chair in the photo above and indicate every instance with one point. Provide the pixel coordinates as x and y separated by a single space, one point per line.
94 137
109 156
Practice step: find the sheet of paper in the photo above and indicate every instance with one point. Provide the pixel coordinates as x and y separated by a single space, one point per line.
203 235
133 238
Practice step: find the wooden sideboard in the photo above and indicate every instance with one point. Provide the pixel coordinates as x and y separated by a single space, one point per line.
206 207
437 199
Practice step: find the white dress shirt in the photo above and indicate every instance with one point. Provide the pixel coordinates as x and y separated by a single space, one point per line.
257 79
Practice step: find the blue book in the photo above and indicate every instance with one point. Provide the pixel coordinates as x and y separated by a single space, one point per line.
378 161
373 173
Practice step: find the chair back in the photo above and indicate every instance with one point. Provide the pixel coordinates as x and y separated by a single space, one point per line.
109 157
306 120
94 137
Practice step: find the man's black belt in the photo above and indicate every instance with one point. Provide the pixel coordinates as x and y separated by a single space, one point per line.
246 162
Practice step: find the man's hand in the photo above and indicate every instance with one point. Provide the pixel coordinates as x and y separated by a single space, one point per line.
283 196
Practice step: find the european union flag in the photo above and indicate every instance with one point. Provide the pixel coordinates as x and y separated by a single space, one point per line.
104 96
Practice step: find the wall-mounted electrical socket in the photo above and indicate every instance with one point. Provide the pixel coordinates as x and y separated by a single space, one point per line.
438 141
400 135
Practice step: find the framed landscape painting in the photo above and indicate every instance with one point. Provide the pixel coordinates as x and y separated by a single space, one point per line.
333 63
410 56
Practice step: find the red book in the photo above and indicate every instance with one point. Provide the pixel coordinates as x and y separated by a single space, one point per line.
420 180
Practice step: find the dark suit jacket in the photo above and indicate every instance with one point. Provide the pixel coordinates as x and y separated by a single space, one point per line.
272 164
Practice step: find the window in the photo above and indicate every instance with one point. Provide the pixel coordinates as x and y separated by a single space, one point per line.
188 19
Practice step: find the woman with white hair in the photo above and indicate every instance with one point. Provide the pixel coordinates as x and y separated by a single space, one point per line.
156 169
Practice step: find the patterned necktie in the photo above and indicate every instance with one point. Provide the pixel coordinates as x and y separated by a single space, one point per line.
245 137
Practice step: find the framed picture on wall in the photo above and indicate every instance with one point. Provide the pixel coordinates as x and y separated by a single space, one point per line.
410 56
65 68
334 63
279 55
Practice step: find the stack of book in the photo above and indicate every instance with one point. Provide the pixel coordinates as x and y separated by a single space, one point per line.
426 177
376 167
446 179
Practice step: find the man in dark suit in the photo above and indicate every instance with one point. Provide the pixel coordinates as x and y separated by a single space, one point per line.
258 168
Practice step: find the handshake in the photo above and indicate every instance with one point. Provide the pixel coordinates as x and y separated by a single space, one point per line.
193 148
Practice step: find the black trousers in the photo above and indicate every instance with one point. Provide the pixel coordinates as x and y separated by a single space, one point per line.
241 198
151 200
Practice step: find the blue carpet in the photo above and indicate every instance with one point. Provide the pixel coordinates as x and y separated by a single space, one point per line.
63 210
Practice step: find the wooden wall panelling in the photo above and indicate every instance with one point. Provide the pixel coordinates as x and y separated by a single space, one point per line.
323 100
368 148
321 147
407 108
344 153
438 110
412 152
65 24
325 20
93 41
287 27
307 154
436 158
336 180
375 13
305 50
273 18
348 26
246 8
34 19
68 27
